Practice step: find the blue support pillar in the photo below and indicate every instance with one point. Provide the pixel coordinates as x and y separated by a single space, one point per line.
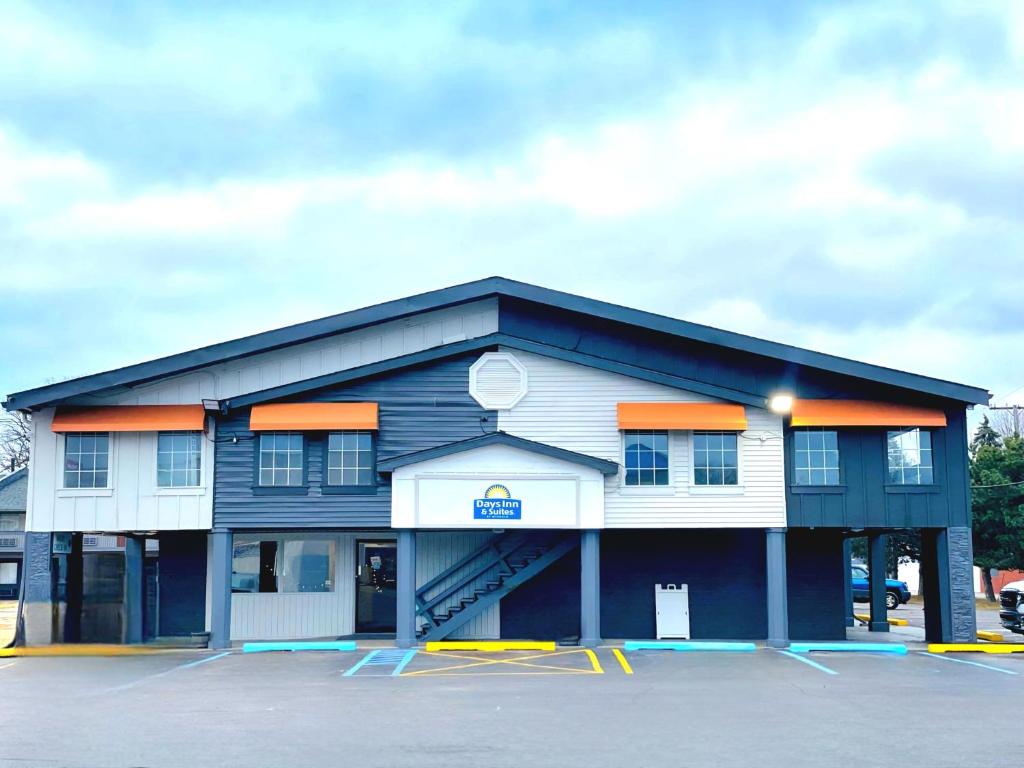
37 586
220 598
847 582
134 547
590 588
405 626
778 601
876 582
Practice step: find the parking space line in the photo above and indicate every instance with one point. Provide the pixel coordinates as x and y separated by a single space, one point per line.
405 660
359 664
523 661
809 662
593 661
622 661
166 672
8 664
970 663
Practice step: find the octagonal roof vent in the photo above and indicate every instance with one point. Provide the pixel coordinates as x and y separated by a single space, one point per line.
497 381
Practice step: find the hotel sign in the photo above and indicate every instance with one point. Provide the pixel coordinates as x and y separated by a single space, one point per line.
497 504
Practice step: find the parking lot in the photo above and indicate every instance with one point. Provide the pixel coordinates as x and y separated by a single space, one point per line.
567 707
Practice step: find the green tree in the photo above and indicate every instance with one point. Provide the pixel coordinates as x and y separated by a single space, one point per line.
984 435
997 504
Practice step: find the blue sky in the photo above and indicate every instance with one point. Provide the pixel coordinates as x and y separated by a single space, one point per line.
847 177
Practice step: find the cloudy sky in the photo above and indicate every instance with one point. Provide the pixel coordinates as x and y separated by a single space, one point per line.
847 177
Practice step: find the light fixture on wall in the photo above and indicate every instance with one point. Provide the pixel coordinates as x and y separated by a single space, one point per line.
781 403
211 406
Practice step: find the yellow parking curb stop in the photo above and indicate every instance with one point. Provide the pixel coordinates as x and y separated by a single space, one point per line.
84 649
975 648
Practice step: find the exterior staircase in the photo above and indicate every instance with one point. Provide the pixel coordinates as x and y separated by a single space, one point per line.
487 574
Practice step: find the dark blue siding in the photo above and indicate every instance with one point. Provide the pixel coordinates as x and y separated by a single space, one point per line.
182 583
814 582
865 500
420 408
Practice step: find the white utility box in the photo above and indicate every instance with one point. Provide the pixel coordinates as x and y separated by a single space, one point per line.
672 606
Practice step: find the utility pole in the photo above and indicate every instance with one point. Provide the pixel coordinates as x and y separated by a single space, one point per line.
1016 415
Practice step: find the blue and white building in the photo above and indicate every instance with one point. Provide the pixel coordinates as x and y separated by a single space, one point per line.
495 460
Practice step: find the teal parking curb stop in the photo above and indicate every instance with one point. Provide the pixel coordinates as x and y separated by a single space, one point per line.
660 645
327 645
849 647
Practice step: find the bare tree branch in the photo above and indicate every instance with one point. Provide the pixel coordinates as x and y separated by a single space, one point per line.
1008 422
15 442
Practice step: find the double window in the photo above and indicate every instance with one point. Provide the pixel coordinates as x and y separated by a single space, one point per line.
715 458
178 456
86 460
910 457
349 459
816 456
282 564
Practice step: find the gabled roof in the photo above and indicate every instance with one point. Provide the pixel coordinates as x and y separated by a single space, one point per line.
14 491
498 438
467 292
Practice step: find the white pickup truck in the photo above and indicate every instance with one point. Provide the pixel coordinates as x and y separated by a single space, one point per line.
1011 606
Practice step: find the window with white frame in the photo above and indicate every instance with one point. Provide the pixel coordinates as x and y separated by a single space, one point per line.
350 458
646 457
910 457
86 459
178 457
715 458
816 456
281 459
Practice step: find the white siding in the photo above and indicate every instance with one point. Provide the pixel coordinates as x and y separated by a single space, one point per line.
134 503
301 615
437 551
573 406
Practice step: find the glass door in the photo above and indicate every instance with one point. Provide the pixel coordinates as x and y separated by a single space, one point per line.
376 586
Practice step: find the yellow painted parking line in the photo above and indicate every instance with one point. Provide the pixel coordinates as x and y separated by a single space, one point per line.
85 649
622 661
976 648
593 661
523 661
491 646
894 622
993 637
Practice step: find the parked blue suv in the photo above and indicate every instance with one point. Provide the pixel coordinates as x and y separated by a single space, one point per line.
896 592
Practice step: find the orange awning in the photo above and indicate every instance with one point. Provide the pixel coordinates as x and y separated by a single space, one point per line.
863 413
723 416
309 417
130 418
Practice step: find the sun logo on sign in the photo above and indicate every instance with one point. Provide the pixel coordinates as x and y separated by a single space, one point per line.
497 492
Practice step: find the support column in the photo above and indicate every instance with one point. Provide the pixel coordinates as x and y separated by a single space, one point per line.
947 581
37 585
405 634
847 582
74 582
876 582
590 588
778 601
134 551
220 588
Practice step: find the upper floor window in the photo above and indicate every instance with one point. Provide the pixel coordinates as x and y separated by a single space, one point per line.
646 457
178 459
715 458
281 459
816 456
910 457
86 459
15 522
350 458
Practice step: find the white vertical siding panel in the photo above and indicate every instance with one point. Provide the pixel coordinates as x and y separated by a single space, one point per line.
574 407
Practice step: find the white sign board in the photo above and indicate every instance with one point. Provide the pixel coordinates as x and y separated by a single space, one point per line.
672 606
504 502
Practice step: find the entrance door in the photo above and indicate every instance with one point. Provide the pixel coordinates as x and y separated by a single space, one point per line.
376 586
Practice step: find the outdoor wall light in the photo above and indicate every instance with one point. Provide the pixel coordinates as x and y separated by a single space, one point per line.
780 403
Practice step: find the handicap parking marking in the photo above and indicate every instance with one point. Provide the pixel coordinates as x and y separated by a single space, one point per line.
527 662
945 657
809 662
383 657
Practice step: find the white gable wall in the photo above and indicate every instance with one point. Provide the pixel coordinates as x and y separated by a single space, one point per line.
574 407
